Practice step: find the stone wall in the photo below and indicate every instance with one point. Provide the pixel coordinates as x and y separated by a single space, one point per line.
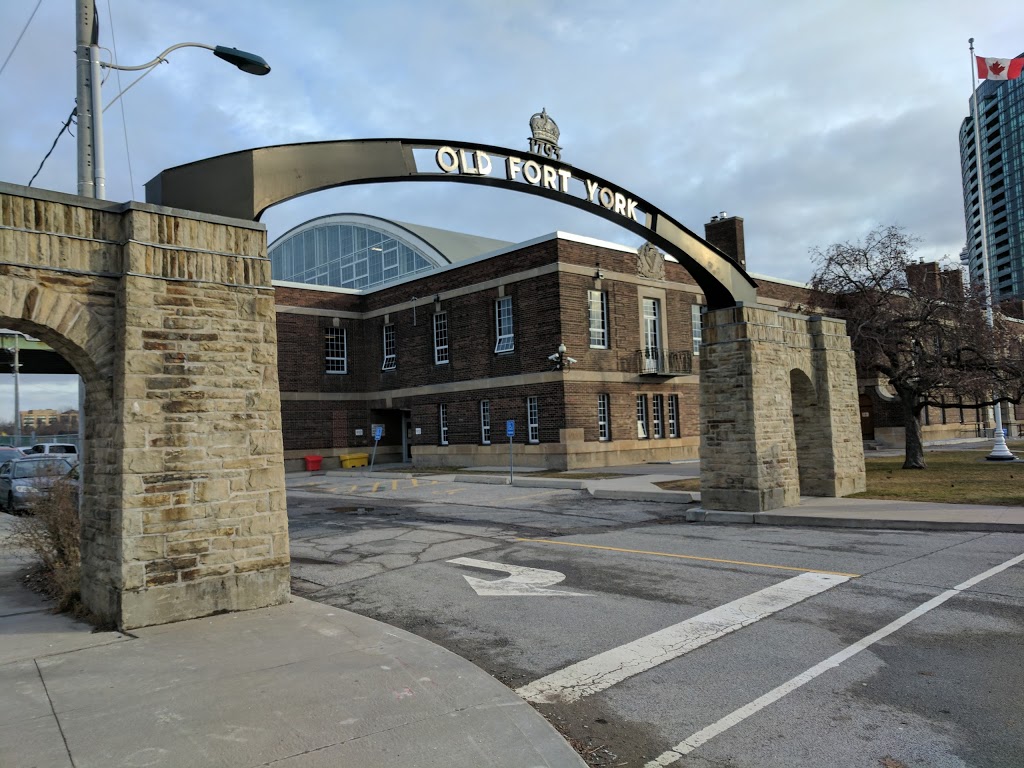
778 410
169 319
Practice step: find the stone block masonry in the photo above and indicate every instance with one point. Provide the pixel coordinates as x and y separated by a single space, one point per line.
169 318
778 396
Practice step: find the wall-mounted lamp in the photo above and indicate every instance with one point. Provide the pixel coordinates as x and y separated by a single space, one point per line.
599 274
561 360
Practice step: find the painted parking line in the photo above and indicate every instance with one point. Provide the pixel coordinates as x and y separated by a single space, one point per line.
738 716
606 669
692 557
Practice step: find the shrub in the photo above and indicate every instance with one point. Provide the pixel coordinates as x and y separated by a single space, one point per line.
51 533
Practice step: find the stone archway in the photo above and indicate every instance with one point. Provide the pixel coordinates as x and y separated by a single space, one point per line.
169 319
778 410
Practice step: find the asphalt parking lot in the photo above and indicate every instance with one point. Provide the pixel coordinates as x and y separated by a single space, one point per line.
650 641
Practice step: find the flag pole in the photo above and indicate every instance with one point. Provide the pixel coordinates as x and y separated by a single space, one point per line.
999 450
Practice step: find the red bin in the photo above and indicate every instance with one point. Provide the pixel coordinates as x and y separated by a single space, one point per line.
313 463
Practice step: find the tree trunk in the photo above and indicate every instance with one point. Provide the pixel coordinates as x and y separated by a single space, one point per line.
914 449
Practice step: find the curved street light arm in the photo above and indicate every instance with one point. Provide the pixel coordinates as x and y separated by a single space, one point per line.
158 59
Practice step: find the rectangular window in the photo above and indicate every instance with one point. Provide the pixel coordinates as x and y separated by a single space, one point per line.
641 417
503 324
440 338
390 359
485 422
533 419
597 311
604 429
673 415
652 335
442 415
335 357
658 408
695 321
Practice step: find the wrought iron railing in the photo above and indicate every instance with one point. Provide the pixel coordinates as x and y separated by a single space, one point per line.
654 361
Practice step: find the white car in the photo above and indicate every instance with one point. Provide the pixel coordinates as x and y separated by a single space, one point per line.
50 448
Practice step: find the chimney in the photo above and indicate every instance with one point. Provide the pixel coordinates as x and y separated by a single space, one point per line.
726 233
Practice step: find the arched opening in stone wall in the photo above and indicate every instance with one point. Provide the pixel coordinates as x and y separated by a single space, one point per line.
62 321
806 426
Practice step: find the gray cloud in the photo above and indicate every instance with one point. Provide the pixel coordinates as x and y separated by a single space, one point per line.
812 119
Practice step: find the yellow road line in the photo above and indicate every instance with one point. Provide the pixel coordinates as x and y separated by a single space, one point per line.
394 485
415 482
528 496
353 488
690 557
375 487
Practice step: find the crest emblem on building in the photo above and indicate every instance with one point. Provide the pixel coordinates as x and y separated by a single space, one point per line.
545 135
650 262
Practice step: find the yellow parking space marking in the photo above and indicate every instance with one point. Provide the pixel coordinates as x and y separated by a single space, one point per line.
353 489
691 557
415 482
394 485
375 488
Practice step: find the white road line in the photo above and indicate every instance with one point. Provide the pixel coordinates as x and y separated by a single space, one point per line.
606 669
741 714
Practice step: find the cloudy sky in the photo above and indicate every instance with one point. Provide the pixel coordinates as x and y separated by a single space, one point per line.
815 120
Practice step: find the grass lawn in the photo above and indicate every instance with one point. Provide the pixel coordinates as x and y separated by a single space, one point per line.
952 477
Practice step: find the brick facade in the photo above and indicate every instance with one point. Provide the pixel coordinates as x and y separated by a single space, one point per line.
547 283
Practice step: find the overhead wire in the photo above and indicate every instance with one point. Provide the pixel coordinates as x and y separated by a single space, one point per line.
23 31
67 124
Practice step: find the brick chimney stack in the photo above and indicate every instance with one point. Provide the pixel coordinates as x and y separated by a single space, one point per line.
726 233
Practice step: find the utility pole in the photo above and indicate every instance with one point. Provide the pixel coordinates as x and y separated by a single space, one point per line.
86 33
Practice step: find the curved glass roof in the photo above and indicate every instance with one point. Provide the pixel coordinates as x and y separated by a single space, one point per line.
347 251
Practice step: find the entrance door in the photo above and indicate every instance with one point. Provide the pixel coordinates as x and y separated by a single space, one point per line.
406 436
867 420
652 335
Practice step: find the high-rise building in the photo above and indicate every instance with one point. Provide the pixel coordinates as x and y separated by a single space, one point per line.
1001 108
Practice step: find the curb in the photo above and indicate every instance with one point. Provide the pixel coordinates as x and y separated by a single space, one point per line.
670 497
814 521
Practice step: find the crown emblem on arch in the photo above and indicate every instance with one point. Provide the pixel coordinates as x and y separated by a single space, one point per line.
545 135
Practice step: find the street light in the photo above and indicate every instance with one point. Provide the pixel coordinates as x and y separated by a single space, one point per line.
91 165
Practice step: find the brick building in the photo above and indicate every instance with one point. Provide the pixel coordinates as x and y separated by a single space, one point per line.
442 359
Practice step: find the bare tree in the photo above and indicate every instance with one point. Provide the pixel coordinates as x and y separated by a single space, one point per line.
918 328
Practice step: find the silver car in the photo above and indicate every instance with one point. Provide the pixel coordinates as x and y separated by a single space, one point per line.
24 480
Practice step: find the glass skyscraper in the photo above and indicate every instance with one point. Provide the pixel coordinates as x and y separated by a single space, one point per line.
1001 108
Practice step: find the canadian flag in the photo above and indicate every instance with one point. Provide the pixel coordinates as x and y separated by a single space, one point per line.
999 69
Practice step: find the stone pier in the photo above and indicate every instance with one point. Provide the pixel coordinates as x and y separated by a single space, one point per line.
779 410
168 316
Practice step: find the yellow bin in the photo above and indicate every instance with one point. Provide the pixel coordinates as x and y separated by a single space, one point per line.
351 460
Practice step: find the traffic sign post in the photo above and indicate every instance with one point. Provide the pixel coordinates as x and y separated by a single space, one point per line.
510 431
378 432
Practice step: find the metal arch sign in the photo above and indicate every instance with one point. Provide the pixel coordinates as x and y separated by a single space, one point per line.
244 184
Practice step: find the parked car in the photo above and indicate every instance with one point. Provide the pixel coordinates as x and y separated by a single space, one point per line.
8 452
48 448
23 480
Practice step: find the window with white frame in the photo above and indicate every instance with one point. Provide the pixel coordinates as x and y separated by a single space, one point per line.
485 422
440 338
604 427
503 324
442 418
533 419
657 411
641 417
695 321
335 351
390 359
652 335
597 311
673 415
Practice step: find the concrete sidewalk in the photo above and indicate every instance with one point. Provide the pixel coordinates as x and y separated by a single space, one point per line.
301 685
639 483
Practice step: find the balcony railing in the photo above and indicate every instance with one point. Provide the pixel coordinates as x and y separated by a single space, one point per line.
653 361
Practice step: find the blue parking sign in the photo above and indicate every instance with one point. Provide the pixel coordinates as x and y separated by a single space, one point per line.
377 432
510 428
